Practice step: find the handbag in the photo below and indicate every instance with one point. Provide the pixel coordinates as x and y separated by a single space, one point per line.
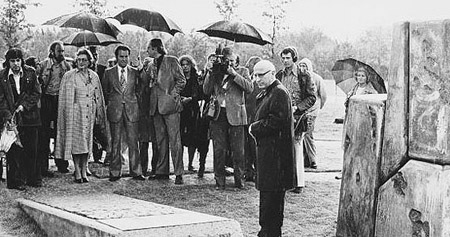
212 108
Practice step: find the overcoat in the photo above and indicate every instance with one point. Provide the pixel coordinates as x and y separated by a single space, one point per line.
274 133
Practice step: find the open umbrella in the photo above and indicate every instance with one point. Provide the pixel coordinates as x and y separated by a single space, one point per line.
149 20
343 73
85 21
88 38
237 32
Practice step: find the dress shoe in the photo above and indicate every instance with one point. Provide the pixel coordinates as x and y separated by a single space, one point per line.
35 184
85 180
48 174
313 165
201 171
112 179
78 181
139 177
219 187
159 177
179 179
191 169
17 187
64 170
239 186
297 190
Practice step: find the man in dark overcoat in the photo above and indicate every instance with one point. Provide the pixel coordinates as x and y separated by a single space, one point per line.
273 132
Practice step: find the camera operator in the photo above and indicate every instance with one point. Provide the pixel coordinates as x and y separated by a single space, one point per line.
227 83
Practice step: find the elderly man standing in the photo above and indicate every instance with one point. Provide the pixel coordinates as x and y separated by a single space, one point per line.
309 145
228 84
121 95
303 90
273 132
167 81
51 72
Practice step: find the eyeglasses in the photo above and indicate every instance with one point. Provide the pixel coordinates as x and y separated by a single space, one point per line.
261 74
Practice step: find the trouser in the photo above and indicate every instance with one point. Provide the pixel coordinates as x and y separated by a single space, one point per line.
250 155
22 163
131 134
227 138
299 165
167 130
143 153
271 208
309 145
49 112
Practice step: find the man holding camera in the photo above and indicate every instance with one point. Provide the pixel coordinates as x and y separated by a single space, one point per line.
228 84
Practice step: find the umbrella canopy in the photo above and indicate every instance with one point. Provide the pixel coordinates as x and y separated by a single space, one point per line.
344 70
87 38
149 20
85 21
237 32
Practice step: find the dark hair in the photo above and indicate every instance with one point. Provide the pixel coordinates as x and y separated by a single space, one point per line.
31 61
87 53
158 44
292 50
13 53
251 62
52 48
123 48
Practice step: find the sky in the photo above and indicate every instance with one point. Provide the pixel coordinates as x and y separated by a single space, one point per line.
339 19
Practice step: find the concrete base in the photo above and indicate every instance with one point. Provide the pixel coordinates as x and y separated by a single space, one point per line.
115 215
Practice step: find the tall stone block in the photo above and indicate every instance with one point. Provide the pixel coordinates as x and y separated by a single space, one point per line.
360 176
395 140
429 86
415 202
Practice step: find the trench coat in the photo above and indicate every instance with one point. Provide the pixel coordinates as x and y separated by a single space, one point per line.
273 131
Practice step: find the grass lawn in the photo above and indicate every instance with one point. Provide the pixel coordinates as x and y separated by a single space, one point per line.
311 213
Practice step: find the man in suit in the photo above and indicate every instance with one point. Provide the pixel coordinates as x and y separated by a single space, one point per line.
20 93
228 85
121 95
167 81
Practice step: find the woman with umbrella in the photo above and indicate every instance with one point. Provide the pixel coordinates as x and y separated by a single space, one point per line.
80 105
363 86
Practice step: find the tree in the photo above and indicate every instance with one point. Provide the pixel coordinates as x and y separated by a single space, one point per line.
13 24
276 13
96 7
227 8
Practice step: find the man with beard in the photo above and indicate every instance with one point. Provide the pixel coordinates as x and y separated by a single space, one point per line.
50 75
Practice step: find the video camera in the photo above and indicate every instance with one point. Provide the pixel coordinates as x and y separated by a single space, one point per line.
220 65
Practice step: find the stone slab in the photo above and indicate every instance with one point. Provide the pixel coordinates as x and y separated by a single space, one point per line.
415 202
360 175
429 92
115 215
395 140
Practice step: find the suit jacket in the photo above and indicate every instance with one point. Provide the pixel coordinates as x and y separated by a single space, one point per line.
30 93
115 99
233 88
167 86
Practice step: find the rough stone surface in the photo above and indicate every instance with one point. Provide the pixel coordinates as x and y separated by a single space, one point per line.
415 202
115 215
360 175
429 91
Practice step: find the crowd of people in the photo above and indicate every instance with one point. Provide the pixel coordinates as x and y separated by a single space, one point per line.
260 120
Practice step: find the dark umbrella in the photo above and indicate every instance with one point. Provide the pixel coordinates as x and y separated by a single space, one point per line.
237 32
344 70
87 38
85 21
149 20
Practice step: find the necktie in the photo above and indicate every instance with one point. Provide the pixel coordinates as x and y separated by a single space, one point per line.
122 79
